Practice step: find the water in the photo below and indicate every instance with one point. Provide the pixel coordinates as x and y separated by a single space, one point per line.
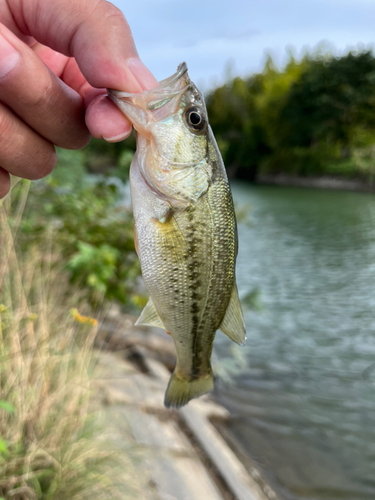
304 408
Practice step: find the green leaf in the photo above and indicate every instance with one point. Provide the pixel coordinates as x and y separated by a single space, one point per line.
3 447
4 405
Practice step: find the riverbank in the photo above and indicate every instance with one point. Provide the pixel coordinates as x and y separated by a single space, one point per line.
180 454
323 182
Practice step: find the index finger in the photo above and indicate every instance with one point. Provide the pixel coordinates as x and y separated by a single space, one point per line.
95 33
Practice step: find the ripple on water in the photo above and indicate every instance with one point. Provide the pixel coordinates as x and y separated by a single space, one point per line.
305 408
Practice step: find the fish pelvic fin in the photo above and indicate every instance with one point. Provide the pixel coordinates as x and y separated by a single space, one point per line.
149 316
181 390
233 324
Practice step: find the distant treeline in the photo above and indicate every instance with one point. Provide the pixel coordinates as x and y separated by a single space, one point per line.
314 117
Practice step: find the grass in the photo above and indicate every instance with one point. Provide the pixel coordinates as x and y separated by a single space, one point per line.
49 447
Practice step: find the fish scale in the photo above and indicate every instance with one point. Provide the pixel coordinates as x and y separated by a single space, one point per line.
185 227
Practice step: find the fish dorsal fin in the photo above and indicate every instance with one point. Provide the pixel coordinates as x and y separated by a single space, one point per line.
233 324
149 316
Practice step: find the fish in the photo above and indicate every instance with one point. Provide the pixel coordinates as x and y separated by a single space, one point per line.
185 228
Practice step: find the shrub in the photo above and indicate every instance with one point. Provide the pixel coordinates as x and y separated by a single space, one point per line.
90 226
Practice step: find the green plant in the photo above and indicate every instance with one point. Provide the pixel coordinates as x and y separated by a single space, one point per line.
50 447
313 117
91 228
94 266
4 405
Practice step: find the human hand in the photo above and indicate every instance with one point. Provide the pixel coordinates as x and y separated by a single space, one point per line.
56 60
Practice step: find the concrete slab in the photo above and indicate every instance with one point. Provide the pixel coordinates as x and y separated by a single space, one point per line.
153 432
164 464
182 478
230 468
163 457
197 416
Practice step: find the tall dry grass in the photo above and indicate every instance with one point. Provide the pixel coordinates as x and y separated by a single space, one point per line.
49 446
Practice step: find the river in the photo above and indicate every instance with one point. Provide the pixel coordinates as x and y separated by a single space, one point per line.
304 406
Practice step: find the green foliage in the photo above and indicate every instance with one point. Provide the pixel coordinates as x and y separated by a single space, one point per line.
84 217
4 405
102 157
313 113
71 169
335 95
99 157
124 161
3 447
94 266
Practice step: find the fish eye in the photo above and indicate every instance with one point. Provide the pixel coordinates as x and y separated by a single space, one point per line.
195 118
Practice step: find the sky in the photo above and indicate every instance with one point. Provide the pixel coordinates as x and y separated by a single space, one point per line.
215 35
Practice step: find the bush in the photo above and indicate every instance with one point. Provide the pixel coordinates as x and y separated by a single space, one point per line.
298 161
91 228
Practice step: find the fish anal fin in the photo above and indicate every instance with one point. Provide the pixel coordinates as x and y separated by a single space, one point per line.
233 324
149 316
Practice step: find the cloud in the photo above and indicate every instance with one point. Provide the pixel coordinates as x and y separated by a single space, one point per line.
167 32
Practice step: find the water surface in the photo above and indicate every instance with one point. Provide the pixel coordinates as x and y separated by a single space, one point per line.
304 408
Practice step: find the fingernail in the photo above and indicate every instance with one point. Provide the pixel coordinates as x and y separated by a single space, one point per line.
117 138
8 56
143 75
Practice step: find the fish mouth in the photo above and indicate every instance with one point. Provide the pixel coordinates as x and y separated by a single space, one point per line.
152 105
181 70
164 86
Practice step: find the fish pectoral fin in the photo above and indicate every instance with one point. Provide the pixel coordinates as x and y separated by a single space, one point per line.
233 324
149 316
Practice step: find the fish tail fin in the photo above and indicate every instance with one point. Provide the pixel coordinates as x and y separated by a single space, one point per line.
181 390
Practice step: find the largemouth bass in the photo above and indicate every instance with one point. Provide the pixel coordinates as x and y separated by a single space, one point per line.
185 228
